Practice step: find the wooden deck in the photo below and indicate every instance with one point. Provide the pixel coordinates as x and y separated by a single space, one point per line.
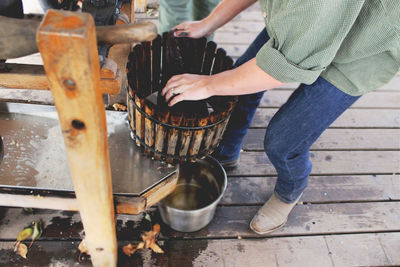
348 216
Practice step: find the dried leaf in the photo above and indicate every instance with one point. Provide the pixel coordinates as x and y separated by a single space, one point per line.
22 250
16 245
149 239
156 248
119 107
156 228
129 249
37 231
24 234
83 247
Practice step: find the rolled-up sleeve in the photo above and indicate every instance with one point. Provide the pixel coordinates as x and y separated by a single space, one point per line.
305 36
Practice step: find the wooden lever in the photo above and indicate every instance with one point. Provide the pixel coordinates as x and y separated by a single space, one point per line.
19 35
126 33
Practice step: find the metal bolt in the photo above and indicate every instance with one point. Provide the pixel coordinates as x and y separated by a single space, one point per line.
69 84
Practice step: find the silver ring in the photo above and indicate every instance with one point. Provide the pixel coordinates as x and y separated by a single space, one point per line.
173 91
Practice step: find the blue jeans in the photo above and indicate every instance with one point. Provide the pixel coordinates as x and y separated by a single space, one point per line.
292 130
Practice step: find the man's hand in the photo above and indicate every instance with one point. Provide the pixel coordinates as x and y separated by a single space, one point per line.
224 12
193 29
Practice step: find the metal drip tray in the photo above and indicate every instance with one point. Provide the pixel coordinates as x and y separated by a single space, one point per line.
35 158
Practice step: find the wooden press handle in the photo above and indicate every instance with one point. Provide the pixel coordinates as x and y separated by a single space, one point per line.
18 36
126 33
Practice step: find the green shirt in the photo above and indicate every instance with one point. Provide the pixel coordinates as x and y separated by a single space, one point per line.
354 44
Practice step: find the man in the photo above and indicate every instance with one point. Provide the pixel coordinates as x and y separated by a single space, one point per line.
338 50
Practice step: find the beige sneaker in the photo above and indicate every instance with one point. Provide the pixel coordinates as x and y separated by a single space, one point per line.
272 216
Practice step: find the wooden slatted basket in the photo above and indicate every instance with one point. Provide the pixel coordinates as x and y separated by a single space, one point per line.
190 129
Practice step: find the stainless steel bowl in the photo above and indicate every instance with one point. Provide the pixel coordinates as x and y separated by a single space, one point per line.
192 205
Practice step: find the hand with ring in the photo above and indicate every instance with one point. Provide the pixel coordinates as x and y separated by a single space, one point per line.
187 87
173 92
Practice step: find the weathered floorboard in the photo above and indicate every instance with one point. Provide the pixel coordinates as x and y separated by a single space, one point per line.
341 139
360 250
326 162
250 15
55 253
296 251
305 220
351 118
26 96
256 190
231 221
376 99
234 37
393 85
364 250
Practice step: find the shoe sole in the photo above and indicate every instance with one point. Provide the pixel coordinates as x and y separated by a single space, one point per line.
230 165
268 231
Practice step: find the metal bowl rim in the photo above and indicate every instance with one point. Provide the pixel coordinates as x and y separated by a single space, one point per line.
209 205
